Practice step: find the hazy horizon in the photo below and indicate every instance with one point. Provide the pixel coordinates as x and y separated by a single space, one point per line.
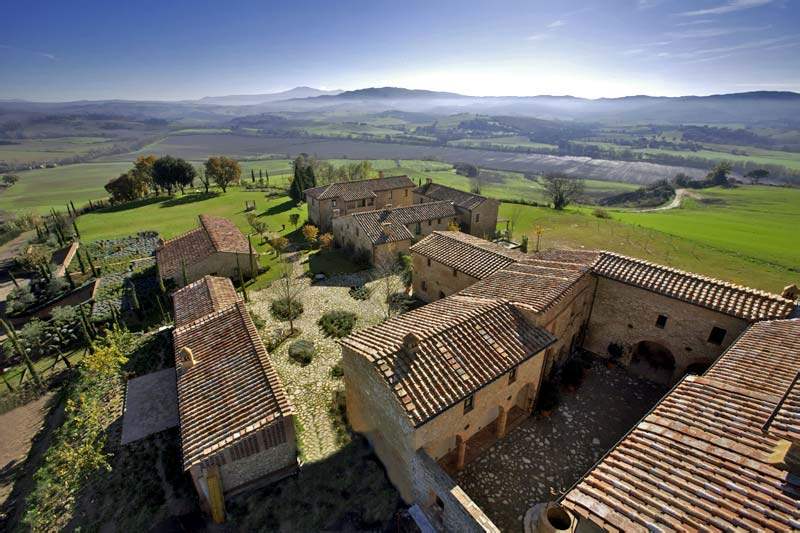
176 51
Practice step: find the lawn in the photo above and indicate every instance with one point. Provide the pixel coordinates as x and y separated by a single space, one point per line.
171 217
744 240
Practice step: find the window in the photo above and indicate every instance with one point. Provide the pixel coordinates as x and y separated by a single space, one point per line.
424 286
429 261
717 335
477 217
661 321
441 295
430 222
371 201
333 203
406 195
469 403
390 193
455 273
512 375
418 228
438 220
362 203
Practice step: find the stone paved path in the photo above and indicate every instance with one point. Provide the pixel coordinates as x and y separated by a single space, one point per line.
311 388
544 456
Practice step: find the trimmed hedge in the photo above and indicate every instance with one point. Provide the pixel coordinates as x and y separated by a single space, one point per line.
281 309
302 351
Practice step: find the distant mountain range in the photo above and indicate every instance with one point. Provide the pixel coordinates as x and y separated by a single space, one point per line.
255 99
749 108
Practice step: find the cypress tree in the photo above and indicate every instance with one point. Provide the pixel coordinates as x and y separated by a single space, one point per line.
75 227
85 329
260 174
241 279
13 279
12 336
252 175
266 176
80 263
74 211
69 279
135 301
310 180
161 309
183 273
161 286
91 264
253 263
91 206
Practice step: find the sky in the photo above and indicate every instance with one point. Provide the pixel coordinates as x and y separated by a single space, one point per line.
172 50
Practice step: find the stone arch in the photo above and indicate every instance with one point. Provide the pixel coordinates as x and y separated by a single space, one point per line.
653 360
697 368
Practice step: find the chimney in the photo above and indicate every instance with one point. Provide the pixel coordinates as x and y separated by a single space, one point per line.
411 343
380 174
790 292
187 358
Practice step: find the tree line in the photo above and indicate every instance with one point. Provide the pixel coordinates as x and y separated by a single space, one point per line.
152 175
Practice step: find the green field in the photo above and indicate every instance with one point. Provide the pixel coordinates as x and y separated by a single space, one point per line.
171 217
51 149
747 239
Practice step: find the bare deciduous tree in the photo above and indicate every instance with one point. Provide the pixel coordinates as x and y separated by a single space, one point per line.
392 298
289 289
562 190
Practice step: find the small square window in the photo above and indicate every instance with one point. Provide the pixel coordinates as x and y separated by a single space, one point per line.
438 220
661 321
441 295
390 194
717 335
424 286
333 203
477 217
406 193
429 261
455 273
469 403
512 375
430 222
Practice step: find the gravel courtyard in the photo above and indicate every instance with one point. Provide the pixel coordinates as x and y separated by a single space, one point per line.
311 388
544 456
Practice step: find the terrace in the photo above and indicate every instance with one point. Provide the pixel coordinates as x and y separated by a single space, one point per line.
543 456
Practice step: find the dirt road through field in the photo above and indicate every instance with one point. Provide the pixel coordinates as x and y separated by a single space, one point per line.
680 194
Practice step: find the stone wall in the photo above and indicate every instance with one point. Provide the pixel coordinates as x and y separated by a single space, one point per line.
217 264
433 280
481 221
445 503
624 315
374 412
438 436
259 465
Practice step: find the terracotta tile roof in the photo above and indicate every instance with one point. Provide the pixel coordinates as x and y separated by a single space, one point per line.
388 225
538 282
698 461
735 300
232 390
473 256
215 234
466 200
766 359
202 297
462 344
360 189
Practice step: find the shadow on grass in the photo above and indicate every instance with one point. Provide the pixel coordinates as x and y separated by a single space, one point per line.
346 491
189 199
278 208
331 263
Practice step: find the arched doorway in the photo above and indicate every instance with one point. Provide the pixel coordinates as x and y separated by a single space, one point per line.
653 361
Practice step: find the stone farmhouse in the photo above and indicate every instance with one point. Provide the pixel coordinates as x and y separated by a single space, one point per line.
477 214
381 235
429 386
236 422
217 247
343 198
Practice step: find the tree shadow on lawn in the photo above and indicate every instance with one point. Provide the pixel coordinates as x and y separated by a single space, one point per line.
346 491
278 208
189 199
135 204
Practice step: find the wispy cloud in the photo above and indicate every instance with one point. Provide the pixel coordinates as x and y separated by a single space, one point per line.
537 36
556 24
728 7
695 22
45 55
720 52
548 31
647 4
707 33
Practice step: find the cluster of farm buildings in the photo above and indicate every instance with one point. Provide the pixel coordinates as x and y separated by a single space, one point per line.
721 451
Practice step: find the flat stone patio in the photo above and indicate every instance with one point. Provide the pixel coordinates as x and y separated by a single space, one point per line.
151 405
544 456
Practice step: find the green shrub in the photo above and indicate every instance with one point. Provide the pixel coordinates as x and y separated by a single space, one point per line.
337 371
257 320
360 293
337 323
286 309
599 212
302 351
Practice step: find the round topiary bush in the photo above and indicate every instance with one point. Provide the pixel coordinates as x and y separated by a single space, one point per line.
337 323
337 371
286 309
302 351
